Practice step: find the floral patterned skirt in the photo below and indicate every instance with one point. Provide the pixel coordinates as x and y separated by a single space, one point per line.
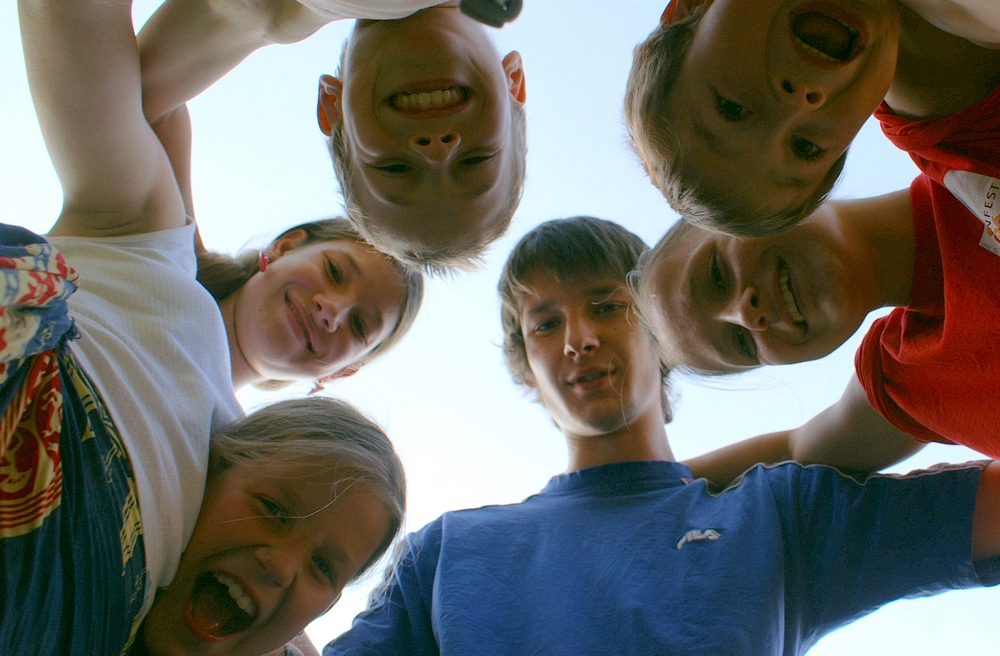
72 559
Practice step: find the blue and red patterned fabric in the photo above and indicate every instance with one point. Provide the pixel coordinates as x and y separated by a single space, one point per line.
72 558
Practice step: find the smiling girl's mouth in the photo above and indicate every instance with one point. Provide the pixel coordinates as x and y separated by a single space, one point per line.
218 607
785 286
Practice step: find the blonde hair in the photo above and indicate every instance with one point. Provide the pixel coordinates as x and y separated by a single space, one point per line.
656 63
222 275
459 257
324 432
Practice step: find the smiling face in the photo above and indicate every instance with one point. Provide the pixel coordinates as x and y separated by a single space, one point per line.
426 109
317 308
591 362
772 92
271 551
723 304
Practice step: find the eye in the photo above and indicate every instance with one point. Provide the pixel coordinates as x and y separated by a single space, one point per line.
333 271
324 569
807 150
744 343
607 307
730 110
395 168
715 272
359 328
477 159
545 326
272 511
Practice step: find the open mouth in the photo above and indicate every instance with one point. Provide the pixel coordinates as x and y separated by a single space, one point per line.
219 606
785 286
422 101
587 378
826 37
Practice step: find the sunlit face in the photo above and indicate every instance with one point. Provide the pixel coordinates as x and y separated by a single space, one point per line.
772 92
591 362
426 104
317 308
723 303
271 551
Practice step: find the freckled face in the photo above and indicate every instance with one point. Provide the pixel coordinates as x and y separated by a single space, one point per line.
772 92
724 304
426 110
271 552
591 361
317 308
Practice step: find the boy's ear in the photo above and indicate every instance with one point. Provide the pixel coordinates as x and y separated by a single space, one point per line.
513 69
329 107
678 10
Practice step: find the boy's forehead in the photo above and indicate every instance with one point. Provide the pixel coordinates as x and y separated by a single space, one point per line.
544 287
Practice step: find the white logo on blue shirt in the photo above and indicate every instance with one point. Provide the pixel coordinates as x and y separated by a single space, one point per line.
696 536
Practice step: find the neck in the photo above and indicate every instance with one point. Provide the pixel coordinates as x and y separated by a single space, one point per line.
885 225
643 438
243 374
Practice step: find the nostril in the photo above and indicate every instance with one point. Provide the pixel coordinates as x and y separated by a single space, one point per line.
448 138
753 301
787 86
762 322
423 141
813 98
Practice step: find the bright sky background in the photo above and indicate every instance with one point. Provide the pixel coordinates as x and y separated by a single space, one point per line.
467 434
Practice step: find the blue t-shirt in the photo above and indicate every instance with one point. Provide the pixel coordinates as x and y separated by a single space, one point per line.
638 558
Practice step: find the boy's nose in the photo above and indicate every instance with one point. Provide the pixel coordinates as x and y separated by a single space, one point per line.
435 146
580 338
747 311
802 93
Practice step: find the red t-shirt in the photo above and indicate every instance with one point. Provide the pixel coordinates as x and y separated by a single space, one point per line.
933 368
961 152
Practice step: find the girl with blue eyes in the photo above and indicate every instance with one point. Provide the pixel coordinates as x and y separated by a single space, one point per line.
302 498
721 304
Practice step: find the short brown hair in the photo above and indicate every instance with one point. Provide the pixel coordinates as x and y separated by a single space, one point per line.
656 63
580 247
223 274
461 257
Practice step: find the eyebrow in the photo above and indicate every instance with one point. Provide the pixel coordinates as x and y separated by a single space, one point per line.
709 137
794 183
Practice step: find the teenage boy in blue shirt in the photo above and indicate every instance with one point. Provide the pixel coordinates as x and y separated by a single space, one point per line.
625 553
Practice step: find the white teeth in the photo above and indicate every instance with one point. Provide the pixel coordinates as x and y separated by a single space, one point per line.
238 594
422 100
784 278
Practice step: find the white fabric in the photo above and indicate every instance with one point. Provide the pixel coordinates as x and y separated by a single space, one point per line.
153 342
371 9
975 20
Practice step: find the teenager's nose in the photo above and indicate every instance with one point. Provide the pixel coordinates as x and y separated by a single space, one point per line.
329 308
435 146
803 93
580 338
747 310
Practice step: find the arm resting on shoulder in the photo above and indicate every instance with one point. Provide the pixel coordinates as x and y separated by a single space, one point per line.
83 69
849 435
188 45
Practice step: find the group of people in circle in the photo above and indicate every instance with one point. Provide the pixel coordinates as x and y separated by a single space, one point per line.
142 512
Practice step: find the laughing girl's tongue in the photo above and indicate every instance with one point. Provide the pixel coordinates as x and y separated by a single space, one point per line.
825 33
213 611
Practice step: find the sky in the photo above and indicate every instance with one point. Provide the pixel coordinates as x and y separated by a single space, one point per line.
467 434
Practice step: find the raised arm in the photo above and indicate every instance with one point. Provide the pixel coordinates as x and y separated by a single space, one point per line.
849 435
187 45
83 70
